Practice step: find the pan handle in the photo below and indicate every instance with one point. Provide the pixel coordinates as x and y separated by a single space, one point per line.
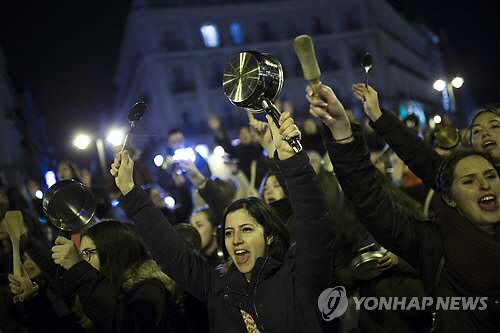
273 111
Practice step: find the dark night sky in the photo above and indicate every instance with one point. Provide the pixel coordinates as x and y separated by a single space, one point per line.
66 53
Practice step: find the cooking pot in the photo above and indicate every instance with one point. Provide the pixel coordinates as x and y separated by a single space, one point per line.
364 266
253 81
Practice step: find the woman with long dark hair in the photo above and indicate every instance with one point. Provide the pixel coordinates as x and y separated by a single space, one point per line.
269 287
458 254
120 288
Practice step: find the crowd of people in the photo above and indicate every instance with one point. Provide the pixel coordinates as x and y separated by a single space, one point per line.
274 235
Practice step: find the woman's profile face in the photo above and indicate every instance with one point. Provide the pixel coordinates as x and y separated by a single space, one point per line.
475 189
89 252
272 190
244 240
485 135
206 230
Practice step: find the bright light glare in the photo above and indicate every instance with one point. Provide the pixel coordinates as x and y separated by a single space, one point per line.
81 141
437 119
186 154
158 160
439 85
50 178
210 35
39 194
202 150
219 151
115 202
169 201
457 82
115 137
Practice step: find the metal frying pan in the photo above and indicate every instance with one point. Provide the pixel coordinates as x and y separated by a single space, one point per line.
69 205
253 81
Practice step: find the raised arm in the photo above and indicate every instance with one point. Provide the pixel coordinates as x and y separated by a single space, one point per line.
391 225
211 192
314 222
418 156
179 262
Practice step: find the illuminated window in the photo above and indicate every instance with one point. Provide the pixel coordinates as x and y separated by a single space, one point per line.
236 33
210 35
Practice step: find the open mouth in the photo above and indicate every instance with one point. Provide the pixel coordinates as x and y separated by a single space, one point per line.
488 145
488 202
241 256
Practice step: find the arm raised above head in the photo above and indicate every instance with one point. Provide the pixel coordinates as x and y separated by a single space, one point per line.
314 221
167 247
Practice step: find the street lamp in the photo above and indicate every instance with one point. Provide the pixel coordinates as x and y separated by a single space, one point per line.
81 141
457 82
448 95
439 85
115 138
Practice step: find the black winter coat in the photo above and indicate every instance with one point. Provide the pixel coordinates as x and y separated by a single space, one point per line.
146 307
281 296
422 160
418 242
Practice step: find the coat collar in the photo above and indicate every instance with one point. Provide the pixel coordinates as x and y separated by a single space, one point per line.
236 282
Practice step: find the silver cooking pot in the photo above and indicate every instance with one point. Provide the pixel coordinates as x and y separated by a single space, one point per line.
364 266
69 205
253 81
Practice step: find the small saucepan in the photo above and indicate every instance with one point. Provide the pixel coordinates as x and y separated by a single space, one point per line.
253 81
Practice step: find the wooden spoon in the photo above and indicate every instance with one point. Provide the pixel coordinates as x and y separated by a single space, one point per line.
14 224
253 173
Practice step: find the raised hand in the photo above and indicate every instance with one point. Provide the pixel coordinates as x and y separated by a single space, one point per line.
194 175
281 135
21 286
331 112
122 170
262 134
65 253
369 97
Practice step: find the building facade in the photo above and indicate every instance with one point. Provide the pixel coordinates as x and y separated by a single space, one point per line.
174 53
24 145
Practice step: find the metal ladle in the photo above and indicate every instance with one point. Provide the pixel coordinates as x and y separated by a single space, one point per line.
367 63
134 115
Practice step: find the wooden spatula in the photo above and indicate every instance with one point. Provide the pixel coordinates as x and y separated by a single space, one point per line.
14 224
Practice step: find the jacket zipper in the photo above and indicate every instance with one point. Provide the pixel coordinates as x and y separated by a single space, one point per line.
255 296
